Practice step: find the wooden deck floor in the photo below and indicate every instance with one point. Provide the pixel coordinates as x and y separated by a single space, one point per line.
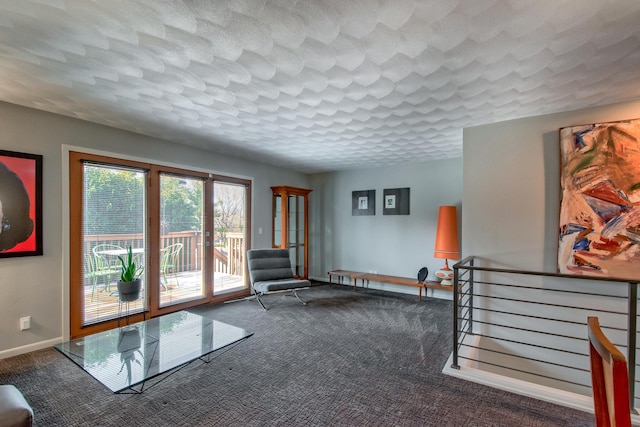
188 286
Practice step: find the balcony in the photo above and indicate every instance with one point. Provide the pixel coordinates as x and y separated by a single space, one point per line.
105 301
182 280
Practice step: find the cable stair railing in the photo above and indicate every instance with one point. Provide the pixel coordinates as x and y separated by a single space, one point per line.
532 326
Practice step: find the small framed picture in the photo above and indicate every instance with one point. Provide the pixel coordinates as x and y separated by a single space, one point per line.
363 203
396 201
20 204
390 201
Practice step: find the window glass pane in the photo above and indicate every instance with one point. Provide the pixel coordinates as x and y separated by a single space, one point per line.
229 213
113 215
301 242
301 224
181 248
277 220
292 221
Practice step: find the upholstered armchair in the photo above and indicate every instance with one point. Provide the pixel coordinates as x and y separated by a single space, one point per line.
270 271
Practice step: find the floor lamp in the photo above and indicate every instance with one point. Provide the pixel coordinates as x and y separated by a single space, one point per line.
446 242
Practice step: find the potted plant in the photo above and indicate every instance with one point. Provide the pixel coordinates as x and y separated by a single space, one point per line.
129 284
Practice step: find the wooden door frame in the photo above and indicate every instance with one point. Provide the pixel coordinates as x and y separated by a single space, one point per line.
152 304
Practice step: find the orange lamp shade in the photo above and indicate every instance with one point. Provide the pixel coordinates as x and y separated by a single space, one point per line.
447 234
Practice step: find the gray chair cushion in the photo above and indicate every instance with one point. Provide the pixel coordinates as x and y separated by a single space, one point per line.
280 285
14 409
270 270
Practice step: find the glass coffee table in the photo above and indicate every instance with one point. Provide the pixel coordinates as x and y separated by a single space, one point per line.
133 358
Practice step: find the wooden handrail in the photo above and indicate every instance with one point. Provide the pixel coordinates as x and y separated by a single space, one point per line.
231 262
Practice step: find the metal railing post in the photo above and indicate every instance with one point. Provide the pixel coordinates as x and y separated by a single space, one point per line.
470 326
456 291
631 341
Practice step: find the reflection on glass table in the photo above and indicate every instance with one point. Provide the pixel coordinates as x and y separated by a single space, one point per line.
125 359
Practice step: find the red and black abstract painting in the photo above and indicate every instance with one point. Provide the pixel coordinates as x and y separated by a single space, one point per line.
20 204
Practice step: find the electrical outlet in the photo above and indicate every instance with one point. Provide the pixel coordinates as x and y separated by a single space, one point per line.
25 323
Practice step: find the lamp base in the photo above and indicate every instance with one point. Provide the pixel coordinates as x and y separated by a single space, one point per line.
446 275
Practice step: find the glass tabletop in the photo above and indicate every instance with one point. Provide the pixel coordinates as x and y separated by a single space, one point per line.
128 356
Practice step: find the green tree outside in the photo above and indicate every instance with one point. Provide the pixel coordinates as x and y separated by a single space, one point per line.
181 205
112 201
114 197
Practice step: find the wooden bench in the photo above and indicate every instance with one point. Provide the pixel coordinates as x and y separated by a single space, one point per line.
383 278
342 274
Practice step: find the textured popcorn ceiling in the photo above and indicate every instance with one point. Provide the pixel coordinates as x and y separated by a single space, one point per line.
317 85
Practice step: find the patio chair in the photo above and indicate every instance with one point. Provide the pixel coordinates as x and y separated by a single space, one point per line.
106 264
94 271
169 263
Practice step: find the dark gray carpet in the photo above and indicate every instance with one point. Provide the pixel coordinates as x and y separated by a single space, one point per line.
346 359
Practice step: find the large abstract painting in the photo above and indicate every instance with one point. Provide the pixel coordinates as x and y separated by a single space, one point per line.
600 200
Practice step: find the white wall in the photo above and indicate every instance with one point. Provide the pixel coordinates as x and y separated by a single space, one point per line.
511 197
511 184
34 286
389 244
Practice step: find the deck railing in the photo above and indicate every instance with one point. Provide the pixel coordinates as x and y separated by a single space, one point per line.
235 253
228 260
231 261
532 326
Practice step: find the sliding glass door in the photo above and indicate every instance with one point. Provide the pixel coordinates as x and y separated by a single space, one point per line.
113 219
181 266
188 231
230 217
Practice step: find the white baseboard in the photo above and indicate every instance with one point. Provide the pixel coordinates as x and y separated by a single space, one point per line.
524 388
29 348
548 394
